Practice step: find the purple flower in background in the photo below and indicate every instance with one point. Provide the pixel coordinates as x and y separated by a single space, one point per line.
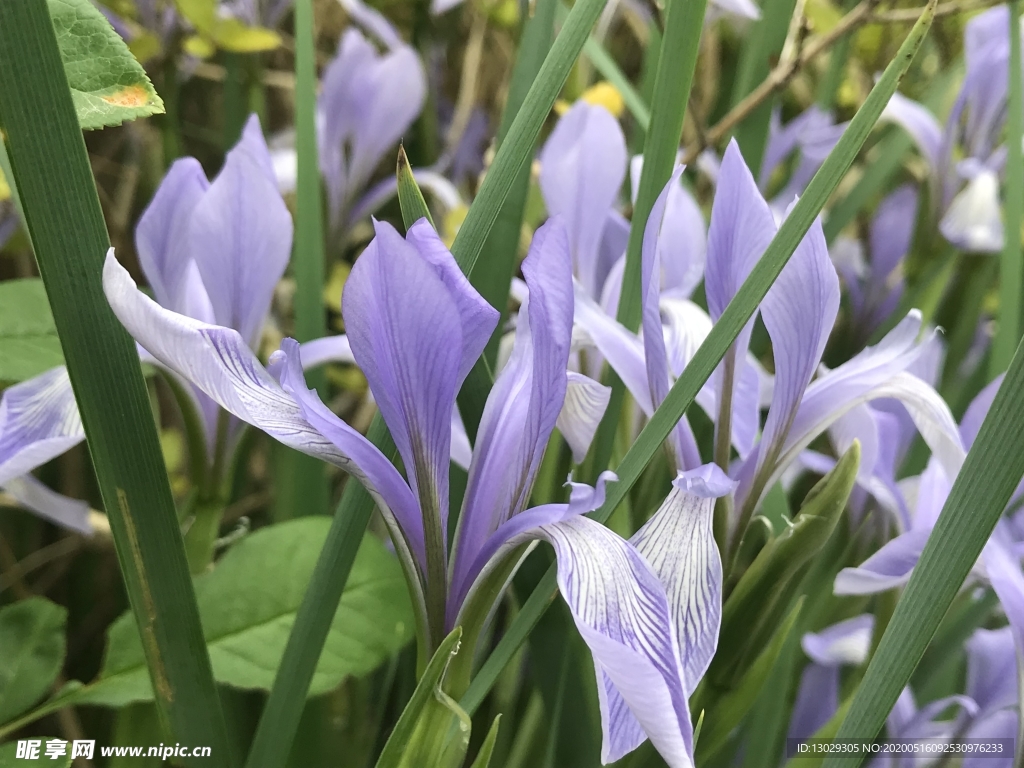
210 251
649 608
965 157
817 698
907 721
798 312
875 284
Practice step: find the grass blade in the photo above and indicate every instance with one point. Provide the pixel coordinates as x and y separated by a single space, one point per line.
63 217
711 352
410 197
302 478
517 148
1011 266
982 489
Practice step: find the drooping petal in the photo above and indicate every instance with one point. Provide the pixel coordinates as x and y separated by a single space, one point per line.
584 406
219 363
406 334
917 121
889 567
38 421
329 349
972 221
161 237
241 236
799 312
621 609
583 165
64 511
846 642
373 21
525 401
679 544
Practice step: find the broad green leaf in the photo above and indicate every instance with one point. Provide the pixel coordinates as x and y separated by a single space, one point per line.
108 85
28 337
32 649
403 740
9 755
728 710
248 604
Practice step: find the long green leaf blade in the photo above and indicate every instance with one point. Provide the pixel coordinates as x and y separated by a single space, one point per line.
711 352
63 216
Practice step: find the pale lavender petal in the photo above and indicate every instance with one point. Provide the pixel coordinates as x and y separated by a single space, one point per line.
582 411
744 9
679 544
889 567
368 100
621 609
891 231
992 669
373 21
478 318
916 120
38 421
329 349
612 260
846 642
406 334
799 312
817 699
973 221
976 412
998 725
61 510
583 164
241 236
219 362
933 489
525 401
161 237
1002 566
462 449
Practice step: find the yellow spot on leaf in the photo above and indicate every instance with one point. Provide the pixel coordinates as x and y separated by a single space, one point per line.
132 96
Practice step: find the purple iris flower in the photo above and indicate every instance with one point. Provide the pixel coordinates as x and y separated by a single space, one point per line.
965 157
798 312
648 608
210 251
817 698
875 284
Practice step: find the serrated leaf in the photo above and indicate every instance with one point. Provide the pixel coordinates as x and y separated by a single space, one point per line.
32 649
248 604
108 85
28 338
9 755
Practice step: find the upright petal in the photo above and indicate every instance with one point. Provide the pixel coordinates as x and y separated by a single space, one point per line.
973 220
406 334
992 669
891 231
679 544
817 699
525 401
917 121
38 421
583 165
161 236
219 363
799 312
241 236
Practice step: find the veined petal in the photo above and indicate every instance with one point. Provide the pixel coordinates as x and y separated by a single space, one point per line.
38 421
917 121
161 237
241 236
478 318
219 363
973 221
889 567
584 406
846 642
799 312
50 505
406 333
679 544
623 613
583 164
525 401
